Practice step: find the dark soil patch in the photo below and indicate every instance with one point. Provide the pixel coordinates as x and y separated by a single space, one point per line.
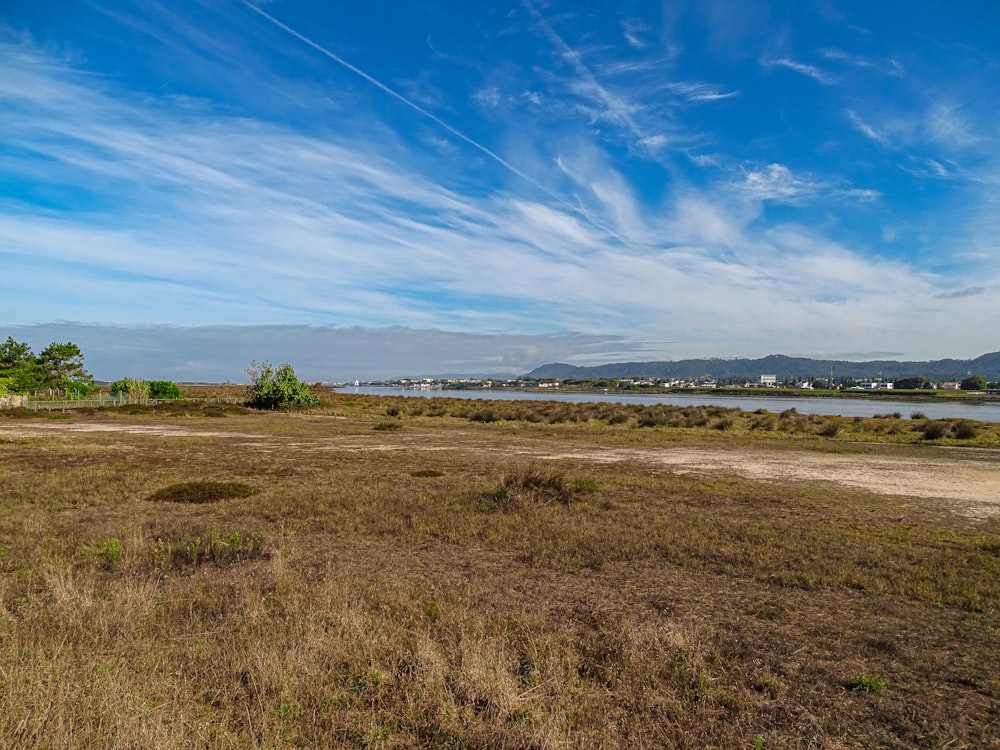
203 492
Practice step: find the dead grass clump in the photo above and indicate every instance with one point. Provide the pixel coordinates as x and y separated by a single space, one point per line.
529 488
203 492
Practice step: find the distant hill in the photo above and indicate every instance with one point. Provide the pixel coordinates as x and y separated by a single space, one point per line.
988 365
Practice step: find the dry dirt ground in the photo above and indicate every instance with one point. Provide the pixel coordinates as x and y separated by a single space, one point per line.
967 481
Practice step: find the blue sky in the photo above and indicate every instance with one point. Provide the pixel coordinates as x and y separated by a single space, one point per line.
402 188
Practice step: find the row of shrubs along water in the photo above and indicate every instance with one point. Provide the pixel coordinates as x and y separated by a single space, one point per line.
882 427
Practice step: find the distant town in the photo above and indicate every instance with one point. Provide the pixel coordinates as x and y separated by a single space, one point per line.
972 385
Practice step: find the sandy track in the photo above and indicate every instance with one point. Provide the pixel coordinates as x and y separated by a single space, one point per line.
971 484
968 481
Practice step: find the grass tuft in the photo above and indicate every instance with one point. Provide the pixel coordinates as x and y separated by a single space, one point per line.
530 488
867 683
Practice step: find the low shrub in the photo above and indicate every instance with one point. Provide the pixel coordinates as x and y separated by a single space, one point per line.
965 430
934 430
163 389
111 552
830 429
485 415
202 492
277 388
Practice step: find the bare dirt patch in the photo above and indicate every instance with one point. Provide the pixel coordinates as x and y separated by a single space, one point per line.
973 483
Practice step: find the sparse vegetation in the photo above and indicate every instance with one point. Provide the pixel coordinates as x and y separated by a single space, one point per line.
544 580
866 683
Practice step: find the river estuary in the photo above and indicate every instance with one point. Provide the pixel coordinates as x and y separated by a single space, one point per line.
983 411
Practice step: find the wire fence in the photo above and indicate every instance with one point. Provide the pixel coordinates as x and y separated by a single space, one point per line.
23 402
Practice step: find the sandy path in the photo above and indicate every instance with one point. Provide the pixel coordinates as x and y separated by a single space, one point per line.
971 483
968 480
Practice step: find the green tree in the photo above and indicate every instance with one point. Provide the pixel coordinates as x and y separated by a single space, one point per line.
913 383
130 388
19 367
973 383
161 389
62 367
277 387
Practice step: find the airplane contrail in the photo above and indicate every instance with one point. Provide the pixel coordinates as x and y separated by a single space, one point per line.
429 115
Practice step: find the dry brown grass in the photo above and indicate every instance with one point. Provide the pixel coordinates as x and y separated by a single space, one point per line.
366 596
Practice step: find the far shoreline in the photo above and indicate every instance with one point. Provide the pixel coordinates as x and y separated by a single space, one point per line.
936 396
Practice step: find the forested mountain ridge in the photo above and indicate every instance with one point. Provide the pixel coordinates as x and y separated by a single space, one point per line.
987 365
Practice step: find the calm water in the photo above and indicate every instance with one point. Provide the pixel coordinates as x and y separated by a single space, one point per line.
983 412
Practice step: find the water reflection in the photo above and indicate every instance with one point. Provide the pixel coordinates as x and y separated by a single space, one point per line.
846 407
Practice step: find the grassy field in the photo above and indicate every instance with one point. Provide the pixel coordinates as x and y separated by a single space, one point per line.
394 573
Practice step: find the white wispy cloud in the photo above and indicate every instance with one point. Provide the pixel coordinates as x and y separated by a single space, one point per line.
811 71
634 31
864 127
946 121
200 215
775 182
888 67
488 97
697 91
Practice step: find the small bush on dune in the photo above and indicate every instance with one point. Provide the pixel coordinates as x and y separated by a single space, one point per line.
934 430
277 388
965 430
164 389
619 416
485 415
